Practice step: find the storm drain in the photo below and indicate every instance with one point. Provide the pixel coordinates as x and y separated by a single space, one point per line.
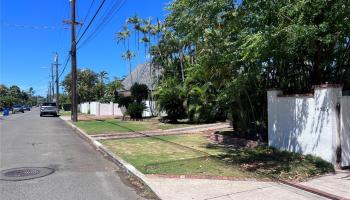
25 173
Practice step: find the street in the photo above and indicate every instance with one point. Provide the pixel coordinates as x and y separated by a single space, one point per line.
28 140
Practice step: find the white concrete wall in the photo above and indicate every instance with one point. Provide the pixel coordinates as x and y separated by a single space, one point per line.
306 125
117 111
99 109
85 107
345 127
147 112
106 109
95 108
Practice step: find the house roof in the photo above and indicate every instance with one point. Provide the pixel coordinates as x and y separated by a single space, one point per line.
142 75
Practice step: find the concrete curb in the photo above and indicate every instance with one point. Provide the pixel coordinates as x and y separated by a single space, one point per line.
125 166
209 177
313 190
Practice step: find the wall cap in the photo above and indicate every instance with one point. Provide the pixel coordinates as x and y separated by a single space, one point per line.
296 95
328 86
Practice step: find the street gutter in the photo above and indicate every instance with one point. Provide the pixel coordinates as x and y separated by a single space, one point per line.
125 166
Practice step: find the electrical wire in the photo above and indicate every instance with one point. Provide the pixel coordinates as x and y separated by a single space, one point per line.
65 65
92 19
105 20
87 14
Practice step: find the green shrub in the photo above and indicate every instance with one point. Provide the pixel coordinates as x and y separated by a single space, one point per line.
139 92
124 101
135 110
171 99
67 106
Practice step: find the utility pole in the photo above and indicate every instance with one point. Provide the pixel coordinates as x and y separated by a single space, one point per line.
73 53
49 92
52 84
57 81
74 115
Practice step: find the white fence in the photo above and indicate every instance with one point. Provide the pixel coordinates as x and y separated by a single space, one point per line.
317 124
345 130
103 109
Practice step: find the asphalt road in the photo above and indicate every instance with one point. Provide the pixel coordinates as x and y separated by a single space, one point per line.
28 140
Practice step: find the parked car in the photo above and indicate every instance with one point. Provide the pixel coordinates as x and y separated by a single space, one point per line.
27 107
17 108
48 108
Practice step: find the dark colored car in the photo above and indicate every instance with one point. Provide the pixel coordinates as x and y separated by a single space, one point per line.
27 107
17 108
48 108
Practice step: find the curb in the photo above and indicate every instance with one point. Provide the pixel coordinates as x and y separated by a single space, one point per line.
125 166
313 190
229 178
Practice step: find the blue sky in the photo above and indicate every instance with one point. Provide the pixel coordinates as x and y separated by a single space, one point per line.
32 31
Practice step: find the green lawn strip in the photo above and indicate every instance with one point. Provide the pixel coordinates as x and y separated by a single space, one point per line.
158 155
65 113
164 155
93 127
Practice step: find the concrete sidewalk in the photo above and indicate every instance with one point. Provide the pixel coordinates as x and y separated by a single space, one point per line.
203 189
176 131
337 184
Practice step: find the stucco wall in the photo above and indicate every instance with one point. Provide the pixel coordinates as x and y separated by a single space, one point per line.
345 127
117 111
95 108
306 125
98 109
84 107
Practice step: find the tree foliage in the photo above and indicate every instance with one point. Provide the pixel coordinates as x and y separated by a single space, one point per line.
220 57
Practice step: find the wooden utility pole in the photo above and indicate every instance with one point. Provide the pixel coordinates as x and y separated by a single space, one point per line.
74 115
52 84
57 82
49 92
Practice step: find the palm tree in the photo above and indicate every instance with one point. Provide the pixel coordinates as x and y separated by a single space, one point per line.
123 35
102 76
128 55
136 21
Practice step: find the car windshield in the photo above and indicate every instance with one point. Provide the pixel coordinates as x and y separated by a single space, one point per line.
49 104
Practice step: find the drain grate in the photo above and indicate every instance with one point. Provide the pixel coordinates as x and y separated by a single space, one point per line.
25 173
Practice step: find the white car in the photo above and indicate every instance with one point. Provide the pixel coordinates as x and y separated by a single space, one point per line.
49 108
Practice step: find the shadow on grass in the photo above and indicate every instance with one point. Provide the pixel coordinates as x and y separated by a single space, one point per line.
276 163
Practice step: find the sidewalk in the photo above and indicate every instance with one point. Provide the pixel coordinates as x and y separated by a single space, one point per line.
204 189
175 131
337 184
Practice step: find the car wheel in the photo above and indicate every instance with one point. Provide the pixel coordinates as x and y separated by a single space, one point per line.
41 115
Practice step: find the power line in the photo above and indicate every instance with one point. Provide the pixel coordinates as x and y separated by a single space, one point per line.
87 14
92 19
65 65
106 19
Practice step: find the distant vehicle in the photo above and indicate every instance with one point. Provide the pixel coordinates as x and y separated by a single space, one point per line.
48 108
17 108
26 107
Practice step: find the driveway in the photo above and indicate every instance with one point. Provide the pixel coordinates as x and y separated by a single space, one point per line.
27 140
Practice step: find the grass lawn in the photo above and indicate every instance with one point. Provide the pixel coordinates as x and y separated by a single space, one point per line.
65 113
193 154
93 127
112 126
